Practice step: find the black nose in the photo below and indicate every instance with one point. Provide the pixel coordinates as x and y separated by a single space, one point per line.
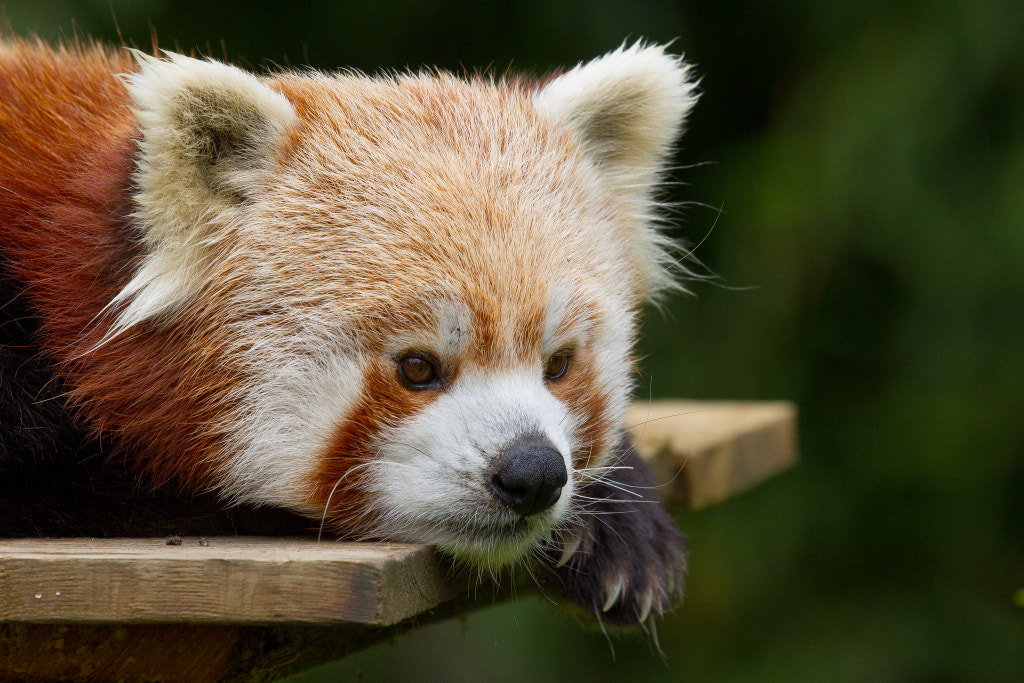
530 475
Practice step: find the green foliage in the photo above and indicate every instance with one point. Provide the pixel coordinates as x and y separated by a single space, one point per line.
869 160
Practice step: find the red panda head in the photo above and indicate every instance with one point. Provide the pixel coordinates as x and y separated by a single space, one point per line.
416 297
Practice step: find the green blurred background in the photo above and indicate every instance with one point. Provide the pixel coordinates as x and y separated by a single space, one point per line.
868 158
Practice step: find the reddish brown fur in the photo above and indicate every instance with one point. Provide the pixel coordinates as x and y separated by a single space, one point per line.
385 402
65 166
579 389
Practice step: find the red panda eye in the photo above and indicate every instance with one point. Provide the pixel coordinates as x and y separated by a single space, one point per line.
417 371
556 366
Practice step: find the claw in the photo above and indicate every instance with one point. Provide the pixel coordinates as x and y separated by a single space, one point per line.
613 595
645 606
653 626
569 548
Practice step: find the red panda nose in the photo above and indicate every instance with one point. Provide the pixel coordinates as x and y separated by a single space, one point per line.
530 475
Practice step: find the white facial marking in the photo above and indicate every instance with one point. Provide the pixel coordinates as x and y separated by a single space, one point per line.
565 323
449 337
287 418
431 479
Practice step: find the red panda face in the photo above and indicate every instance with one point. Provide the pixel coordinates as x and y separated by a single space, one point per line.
480 302
423 291
485 455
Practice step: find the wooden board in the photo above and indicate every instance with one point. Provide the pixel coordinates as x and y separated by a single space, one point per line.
185 652
228 580
242 608
704 451
707 451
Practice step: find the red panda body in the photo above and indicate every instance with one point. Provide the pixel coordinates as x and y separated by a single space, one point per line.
404 305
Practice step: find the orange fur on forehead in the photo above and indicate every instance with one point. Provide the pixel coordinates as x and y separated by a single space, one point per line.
400 191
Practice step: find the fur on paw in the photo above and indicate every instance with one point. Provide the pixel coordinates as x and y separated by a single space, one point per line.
622 559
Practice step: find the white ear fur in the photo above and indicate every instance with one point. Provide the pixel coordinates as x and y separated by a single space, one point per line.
627 108
210 132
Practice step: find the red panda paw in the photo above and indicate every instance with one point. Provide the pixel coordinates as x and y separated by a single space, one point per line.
623 560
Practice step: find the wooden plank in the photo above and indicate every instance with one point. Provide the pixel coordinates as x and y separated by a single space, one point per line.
708 451
60 652
229 580
240 609
197 653
705 451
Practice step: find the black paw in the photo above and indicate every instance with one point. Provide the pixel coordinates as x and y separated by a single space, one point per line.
622 559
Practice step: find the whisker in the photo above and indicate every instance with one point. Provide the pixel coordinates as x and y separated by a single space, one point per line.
597 513
623 488
663 417
602 468
650 404
323 518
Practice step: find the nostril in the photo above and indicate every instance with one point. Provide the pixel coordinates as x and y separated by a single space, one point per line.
529 476
515 496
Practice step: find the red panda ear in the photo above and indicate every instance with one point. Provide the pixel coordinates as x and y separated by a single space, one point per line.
207 126
210 133
627 108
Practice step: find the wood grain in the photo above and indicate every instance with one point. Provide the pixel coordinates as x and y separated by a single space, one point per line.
229 580
708 451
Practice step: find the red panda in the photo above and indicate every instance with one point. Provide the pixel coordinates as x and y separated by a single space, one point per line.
403 305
